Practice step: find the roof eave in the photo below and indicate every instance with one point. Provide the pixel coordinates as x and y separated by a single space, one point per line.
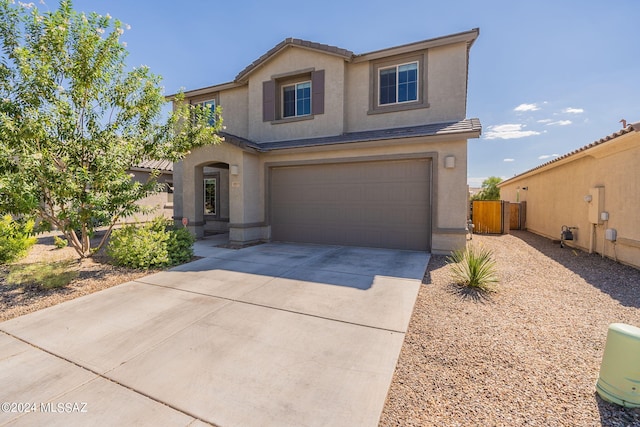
579 153
467 36
288 43
205 90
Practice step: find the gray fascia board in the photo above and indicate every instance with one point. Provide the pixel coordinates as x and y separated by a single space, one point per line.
467 36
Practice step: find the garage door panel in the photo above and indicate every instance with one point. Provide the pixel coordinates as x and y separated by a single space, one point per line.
378 204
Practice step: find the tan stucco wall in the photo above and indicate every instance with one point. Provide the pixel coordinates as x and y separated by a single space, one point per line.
161 203
449 185
346 109
555 197
446 93
248 191
189 177
347 93
235 113
290 60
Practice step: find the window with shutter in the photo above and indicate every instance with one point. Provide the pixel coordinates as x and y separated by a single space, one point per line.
293 96
269 101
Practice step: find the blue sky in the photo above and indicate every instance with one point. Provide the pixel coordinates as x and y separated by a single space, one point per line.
545 78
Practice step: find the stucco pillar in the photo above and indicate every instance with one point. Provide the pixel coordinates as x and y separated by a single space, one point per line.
246 204
192 199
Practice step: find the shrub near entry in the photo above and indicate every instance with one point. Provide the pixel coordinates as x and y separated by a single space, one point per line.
153 245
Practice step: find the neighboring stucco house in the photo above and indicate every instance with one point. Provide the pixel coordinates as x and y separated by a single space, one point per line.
595 188
326 146
161 203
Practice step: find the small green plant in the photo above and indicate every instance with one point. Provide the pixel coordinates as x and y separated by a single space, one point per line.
155 244
59 242
180 245
15 239
46 275
474 268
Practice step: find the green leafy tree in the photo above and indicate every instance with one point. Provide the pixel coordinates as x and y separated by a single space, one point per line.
73 119
490 190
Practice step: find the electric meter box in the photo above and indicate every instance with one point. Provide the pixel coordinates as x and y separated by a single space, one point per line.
611 234
619 380
596 205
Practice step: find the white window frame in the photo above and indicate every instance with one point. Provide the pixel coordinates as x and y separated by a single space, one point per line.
295 91
396 67
205 104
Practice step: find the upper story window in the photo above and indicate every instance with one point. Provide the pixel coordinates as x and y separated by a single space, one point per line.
210 103
293 96
296 100
398 84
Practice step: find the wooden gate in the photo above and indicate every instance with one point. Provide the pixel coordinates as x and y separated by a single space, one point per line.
517 215
490 216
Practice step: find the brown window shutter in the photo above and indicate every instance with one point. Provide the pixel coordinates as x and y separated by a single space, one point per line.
268 100
317 87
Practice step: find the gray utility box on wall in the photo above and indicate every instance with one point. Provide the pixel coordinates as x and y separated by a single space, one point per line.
619 380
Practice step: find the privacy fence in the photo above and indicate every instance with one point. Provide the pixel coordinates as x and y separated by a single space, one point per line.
497 216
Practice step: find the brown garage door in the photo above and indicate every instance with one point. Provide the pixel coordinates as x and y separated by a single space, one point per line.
382 204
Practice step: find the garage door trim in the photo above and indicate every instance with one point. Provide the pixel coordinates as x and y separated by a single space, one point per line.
431 156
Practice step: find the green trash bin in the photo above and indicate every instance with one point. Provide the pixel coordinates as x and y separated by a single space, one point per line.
619 380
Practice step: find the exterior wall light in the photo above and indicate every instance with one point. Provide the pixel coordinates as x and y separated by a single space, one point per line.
233 169
588 198
450 162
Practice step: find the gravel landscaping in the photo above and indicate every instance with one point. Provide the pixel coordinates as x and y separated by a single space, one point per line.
528 354
93 275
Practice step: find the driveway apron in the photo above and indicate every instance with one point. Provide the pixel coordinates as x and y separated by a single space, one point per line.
270 335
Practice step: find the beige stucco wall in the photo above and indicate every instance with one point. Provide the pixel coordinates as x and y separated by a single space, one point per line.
555 197
347 93
161 203
446 92
346 109
291 60
449 194
235 113
189 176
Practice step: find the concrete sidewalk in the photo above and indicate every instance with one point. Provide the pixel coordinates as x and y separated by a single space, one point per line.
270 335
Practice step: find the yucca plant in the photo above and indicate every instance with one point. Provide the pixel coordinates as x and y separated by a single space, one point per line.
474 268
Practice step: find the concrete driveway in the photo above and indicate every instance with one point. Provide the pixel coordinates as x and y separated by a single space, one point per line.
270 335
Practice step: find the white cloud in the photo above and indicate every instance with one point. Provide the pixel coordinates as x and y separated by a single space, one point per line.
544 121
508 160
508 131
475 182
572 110
560 123
547 156
526 107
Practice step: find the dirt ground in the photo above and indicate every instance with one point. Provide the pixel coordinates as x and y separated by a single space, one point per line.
94 274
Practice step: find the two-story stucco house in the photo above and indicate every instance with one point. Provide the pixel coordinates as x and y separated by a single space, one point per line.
326 146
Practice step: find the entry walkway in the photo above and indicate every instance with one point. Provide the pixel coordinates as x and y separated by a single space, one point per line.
269 335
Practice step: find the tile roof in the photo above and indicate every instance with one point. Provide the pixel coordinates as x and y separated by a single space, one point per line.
239 141
448 128
161 165
631 128
334 50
